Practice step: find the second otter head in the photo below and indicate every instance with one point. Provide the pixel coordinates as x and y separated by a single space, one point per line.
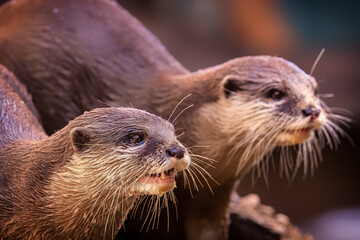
266 102
278 99
129 148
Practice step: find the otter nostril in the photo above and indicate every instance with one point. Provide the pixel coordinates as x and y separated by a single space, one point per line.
316 112
306 112
176 151
311 111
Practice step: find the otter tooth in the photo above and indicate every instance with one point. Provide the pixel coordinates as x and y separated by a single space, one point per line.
162 176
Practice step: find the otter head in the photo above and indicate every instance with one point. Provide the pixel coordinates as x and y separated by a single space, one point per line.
267 102
280 100
128 149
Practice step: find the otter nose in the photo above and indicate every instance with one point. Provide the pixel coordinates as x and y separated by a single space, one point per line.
311 111
176 151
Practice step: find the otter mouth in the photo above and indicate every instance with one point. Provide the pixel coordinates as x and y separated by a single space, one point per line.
159 183
162 179
163 174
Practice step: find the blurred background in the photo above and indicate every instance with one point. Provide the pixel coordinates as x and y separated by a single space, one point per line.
203 33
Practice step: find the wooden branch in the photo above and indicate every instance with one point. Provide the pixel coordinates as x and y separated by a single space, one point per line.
252 220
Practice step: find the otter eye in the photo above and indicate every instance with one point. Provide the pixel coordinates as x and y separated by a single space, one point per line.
137 139
275 94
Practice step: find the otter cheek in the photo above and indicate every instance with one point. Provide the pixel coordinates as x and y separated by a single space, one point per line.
320 121
182 163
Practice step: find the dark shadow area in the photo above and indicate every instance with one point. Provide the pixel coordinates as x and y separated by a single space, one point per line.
245 229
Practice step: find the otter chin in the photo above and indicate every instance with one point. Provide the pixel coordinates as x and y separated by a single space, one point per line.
295 136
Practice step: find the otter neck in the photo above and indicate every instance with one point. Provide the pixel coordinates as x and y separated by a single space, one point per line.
235 146
84 200
98 211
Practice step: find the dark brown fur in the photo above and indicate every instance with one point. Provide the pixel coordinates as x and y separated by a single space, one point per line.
53 187
17 110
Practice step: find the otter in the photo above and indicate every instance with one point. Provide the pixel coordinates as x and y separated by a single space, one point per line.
74 56
80 182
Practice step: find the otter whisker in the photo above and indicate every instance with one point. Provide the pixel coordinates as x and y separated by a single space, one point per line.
340 120
167 211
313 160
154 212
326 95
136 206
181 134
146 203
282 164
318 150
339 110
192 170
199 169
105 199
200 161
114 214
200 146
312 163
203 157
151 211
305 159
164 204
332 134
187 182
177 105
152 220
149 205
316 61
249 151
328 137
298 161
321 138
289 159
341 132
193 179
174 201
106 104
190 106
108 215
265 169
100 207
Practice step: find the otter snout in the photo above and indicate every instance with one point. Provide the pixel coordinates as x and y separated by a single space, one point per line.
176 151
178 156
311 111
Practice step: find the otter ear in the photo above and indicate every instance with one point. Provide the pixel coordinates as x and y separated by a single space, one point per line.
232 84
80 137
